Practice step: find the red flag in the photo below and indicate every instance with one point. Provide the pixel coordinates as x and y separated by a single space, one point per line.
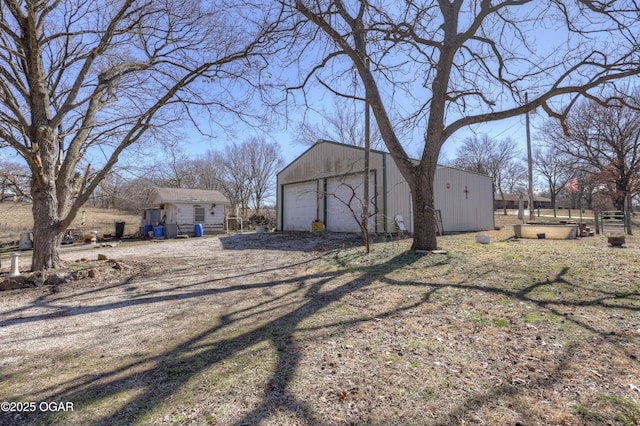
572 183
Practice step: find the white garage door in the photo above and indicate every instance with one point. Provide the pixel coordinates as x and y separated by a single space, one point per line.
300 206
343 193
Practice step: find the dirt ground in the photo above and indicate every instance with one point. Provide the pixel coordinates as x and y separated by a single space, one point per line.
153 262
300 329
163 286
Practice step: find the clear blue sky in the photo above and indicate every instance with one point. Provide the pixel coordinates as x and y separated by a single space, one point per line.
549 41
513 128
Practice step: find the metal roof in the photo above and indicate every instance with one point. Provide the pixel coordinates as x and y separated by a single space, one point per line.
185 195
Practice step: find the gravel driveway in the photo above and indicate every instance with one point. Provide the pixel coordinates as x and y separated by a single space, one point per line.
161 279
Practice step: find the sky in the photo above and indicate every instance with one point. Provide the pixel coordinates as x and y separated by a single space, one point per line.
286 136
513 128
285 128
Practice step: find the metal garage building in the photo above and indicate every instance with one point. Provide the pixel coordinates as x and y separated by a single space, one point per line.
325 183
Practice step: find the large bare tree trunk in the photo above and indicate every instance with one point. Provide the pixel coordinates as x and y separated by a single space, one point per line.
46 242
619 196
47 234
424 222
47 227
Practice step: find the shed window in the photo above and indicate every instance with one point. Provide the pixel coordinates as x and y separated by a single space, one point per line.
198 212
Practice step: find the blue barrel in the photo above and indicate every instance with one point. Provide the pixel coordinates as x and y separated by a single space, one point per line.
158 231
198 230
147 229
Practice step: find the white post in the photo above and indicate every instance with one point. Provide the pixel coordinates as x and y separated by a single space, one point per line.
521 207
14 265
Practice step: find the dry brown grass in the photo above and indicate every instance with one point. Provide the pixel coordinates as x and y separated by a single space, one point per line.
534 332
17 217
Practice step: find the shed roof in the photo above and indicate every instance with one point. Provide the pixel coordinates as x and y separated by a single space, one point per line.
359 148
185 195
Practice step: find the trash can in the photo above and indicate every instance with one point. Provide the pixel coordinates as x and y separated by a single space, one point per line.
198 230
171 230
148 231
158 231
119 229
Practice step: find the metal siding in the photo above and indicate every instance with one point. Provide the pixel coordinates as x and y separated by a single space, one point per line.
463 211
327 160
339 195
398 197
300 201
486 219
446 193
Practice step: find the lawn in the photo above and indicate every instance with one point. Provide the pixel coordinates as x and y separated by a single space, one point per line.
17 217
248 329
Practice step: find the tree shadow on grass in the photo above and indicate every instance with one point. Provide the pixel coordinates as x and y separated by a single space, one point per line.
155 379
605 300
175 292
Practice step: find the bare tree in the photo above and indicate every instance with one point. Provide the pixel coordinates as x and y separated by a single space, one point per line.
14 177
134 194
175 168
82 81
555 168
349 195
265 161
496 158
107 193
344 123
453 64
515 177
604 141
236 180
248 171
208 169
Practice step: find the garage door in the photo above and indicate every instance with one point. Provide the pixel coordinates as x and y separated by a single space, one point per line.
299 206
344 198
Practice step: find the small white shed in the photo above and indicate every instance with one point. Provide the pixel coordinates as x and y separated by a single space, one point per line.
325 183
179 210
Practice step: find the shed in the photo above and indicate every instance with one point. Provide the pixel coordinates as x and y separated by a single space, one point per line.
8 196
325 183
179 210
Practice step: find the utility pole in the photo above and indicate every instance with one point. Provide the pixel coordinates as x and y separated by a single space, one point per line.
367 151
532 213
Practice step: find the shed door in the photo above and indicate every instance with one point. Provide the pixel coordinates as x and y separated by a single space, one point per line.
299 206
344 199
